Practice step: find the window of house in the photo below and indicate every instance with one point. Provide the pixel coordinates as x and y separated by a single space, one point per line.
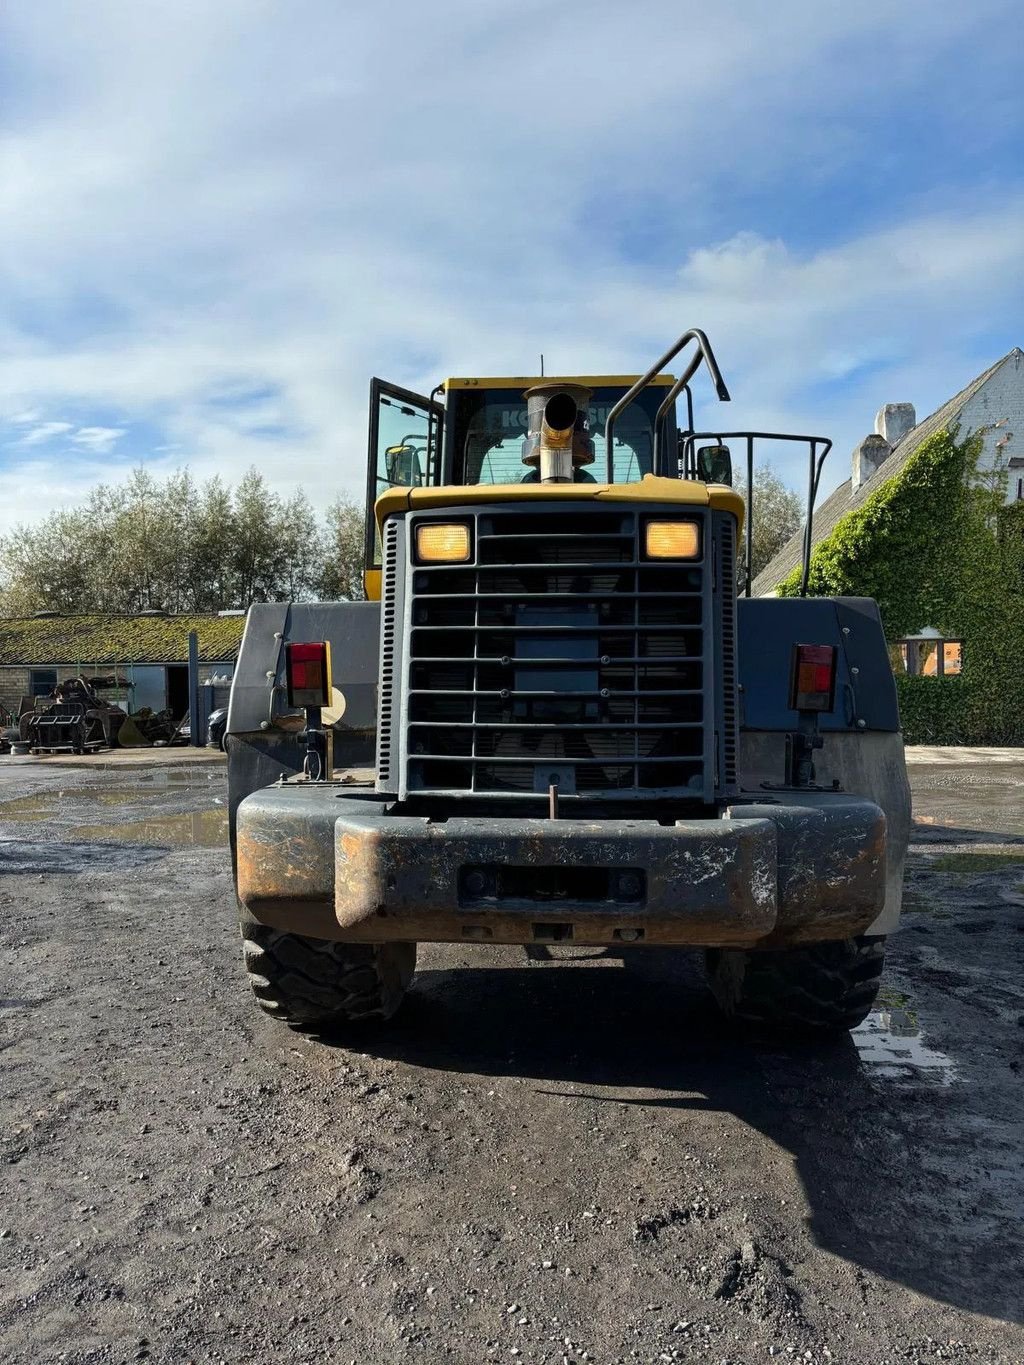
42 681
929 657
952 657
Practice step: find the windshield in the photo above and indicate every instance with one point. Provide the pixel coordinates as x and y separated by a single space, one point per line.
490 434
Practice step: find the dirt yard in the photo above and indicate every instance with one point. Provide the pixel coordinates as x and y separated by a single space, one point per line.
536 1162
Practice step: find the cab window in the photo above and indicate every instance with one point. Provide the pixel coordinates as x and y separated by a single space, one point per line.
405 443
490 436
401 445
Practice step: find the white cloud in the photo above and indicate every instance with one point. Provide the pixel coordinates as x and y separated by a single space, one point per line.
44 431
237 200
97 439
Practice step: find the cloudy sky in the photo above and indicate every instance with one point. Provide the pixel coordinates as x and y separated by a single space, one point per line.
219 218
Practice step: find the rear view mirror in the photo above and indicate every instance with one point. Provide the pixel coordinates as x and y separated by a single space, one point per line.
714 464
403 466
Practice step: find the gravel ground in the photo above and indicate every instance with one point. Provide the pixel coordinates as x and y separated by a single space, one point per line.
563 1162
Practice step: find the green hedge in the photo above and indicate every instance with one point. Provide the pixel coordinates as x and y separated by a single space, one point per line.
931 710
936 546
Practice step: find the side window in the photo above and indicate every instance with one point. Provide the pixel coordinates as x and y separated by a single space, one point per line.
929 656
405 448
42 681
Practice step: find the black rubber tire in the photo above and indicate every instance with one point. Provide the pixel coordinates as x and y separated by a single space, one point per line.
814 990
306 981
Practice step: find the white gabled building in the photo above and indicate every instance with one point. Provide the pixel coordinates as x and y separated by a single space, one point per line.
992 404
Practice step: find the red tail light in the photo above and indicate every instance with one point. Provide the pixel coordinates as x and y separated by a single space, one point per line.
308 671
813 681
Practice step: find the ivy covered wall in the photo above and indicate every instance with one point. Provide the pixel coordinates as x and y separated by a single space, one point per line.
937 546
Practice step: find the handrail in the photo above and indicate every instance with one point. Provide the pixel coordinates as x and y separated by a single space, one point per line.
705 353
682 383
814 476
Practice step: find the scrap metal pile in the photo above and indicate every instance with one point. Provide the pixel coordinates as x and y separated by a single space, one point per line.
73 719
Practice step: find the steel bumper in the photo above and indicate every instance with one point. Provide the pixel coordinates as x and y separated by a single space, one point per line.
319 860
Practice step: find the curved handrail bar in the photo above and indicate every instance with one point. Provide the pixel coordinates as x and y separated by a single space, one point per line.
683 382
694 334
688 373
812 497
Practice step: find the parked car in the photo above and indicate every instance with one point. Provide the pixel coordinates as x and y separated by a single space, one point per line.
216 727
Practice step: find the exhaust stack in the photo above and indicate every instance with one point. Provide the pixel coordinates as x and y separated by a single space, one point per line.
558 426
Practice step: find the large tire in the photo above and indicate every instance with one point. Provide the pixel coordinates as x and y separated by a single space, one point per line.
814 990
311 981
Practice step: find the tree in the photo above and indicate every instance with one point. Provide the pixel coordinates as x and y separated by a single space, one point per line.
147 543
778 513
341 565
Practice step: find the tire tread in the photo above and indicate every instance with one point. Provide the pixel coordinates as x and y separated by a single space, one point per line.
314 981
818 988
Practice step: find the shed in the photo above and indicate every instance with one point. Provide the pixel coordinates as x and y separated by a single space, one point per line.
146 655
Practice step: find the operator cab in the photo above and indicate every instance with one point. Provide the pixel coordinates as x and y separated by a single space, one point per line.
479 435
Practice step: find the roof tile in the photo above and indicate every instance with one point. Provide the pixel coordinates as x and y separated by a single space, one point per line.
87 640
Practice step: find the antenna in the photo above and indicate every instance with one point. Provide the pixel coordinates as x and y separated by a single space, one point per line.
542 364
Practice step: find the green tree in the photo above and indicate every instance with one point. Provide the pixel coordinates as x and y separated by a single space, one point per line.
148 543
778 512
340 575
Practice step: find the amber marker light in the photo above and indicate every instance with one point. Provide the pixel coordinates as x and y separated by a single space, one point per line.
442 543
672 540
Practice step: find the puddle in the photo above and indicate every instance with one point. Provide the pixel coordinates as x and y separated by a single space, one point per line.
199 829
891 1046
42 804
175 777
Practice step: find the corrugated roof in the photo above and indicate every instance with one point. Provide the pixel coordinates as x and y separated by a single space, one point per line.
844 500
101 639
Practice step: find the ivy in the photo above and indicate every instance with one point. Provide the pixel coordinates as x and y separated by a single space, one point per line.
936 546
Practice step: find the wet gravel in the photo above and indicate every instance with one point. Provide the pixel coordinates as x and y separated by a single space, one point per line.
563 1162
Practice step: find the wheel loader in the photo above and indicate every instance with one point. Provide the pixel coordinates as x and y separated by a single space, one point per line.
561 718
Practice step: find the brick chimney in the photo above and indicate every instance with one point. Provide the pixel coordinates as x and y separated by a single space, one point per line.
894 420
872 451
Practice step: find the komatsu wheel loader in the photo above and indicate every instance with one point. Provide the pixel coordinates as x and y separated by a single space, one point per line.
561 718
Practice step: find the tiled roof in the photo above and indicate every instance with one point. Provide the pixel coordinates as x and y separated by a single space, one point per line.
107 640
843 500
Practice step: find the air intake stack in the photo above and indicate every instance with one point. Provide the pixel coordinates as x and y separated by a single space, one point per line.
558 426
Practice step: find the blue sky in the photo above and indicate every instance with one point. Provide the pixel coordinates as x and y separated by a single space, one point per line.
219 220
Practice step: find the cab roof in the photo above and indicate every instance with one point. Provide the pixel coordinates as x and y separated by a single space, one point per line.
589 381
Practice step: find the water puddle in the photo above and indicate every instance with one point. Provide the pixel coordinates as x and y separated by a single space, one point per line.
177 777
198 829
43 804
891 1046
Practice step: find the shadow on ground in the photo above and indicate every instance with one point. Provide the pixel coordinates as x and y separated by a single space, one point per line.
897 1176
928 831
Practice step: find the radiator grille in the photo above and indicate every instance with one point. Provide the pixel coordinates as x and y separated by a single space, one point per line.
561 655
388 626
727 668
